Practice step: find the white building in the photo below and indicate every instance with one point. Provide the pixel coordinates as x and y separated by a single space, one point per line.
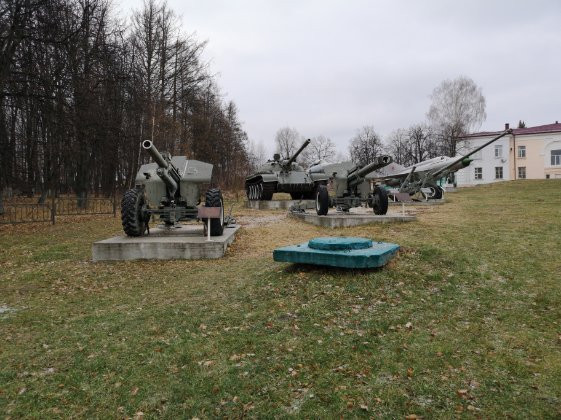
532 152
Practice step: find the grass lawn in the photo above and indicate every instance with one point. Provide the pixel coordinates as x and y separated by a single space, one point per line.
466 321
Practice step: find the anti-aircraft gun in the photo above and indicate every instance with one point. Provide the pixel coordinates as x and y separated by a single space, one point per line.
351 187
281 175
169 189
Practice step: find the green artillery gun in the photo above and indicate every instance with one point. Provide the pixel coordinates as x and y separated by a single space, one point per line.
351 186
282 175
169 189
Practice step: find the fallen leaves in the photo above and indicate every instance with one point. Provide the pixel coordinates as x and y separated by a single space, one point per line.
462 393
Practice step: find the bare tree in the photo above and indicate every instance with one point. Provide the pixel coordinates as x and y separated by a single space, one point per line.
422 142
458 107
286 141
398 146
365 146
257 154
321 148
78 91
413 145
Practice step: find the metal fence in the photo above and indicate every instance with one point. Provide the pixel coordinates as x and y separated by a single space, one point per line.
21 211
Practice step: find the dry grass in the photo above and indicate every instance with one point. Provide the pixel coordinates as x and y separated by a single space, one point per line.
464 322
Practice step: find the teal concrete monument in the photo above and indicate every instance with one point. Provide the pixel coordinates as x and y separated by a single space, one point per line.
346 252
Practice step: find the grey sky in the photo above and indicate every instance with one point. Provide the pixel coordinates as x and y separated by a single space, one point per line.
330 67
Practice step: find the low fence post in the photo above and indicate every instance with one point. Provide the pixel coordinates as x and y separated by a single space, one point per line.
114 203
53 209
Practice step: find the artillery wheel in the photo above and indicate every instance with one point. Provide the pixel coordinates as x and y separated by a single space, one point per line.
379 200
435 193
134 216
213 198
322 200
311 195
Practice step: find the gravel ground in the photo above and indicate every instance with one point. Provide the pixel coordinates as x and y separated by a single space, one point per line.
255 221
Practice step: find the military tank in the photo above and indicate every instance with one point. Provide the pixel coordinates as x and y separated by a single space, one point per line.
283 175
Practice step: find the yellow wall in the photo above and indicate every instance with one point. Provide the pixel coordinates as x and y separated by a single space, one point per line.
538 155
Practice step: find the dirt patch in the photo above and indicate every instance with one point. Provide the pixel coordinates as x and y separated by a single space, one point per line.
255 221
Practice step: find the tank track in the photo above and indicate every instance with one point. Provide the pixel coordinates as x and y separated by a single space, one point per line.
259 190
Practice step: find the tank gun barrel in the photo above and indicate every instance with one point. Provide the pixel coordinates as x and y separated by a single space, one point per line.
295 155
379 162
166 171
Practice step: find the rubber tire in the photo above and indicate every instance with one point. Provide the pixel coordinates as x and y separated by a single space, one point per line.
322 200
213 198
380 201
134 222
437 194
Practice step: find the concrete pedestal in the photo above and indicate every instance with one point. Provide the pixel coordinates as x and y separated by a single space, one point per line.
279 204
186 242
337 220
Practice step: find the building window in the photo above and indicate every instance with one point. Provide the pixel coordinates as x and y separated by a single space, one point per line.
521 151
478 173
556 157
522 172
498 151
498 172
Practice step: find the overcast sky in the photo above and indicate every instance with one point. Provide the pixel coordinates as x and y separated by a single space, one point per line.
330 67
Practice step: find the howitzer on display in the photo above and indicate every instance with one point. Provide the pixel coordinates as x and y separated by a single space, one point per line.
422 178
169 189
283 175
351 187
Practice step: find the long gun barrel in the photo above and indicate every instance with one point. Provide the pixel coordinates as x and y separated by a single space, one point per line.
295 155
356 176
166 171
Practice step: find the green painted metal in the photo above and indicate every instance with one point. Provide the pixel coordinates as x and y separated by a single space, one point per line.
283 175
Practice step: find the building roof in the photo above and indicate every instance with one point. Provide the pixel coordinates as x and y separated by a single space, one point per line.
548 128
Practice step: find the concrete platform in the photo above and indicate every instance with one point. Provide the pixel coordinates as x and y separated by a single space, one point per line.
337 220
418 203
278 204
186 243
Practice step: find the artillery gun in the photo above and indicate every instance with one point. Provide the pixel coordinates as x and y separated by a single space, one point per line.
169 189
351 186
283 175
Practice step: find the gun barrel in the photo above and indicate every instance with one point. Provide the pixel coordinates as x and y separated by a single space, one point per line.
157 156
295 155
379 162
166 171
